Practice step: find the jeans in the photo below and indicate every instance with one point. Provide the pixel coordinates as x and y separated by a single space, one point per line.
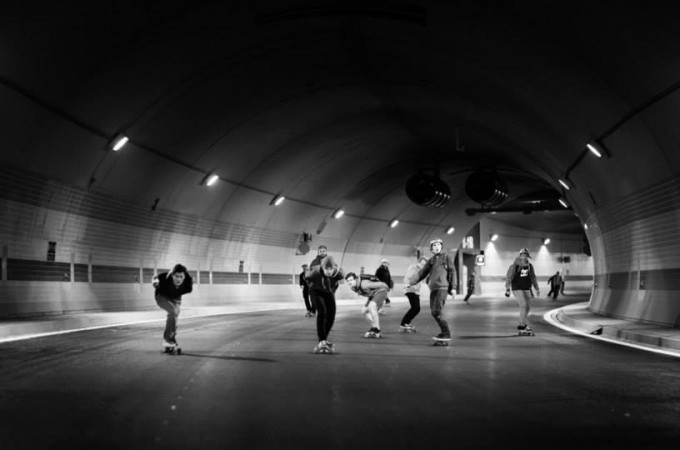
172 306
523 300
325 313
414 301
437 301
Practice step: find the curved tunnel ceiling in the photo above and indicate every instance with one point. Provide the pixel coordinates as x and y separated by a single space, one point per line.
332 104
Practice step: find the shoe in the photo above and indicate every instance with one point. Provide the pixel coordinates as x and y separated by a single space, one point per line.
443 336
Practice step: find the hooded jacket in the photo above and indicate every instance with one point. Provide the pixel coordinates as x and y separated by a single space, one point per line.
166 286
319 282
439 271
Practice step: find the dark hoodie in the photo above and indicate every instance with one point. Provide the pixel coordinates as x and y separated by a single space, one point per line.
166 287
319 282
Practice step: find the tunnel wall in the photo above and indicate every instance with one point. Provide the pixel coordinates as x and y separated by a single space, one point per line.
65 248
636 249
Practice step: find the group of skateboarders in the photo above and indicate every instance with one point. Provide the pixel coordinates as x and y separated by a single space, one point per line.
320 280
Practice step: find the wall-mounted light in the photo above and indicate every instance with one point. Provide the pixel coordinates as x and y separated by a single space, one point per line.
493 237
594 150
211 179
394 223
546 241
277 200
338 213
563 202
450 230
119 142
565 184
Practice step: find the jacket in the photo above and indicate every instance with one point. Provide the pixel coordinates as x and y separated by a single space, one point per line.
518 280
440 273
319 282
166 287
411 272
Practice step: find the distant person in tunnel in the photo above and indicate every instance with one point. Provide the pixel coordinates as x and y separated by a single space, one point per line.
441 276
383 274
555 283
376 293
311 311
323 281
413 295
470 287
520 278
170 286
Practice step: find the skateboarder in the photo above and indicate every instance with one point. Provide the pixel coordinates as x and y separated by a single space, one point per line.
170 286
441 281
305 293
376 292
520 278
413 295
470 288
323 282
383 274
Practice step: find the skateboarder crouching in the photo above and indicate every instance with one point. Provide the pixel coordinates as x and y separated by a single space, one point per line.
323 282
376 291
170 286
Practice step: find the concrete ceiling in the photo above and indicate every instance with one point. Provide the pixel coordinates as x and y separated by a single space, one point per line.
332 104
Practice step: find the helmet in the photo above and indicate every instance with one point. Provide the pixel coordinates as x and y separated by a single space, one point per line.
436 241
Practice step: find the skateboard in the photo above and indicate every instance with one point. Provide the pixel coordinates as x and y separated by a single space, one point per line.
528 332
372 335
173 350
440 342
326 350
403 329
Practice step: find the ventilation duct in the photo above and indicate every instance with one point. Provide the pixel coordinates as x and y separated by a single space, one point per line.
427 190
486 188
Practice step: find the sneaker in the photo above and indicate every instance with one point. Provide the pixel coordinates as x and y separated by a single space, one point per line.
521 327
443 336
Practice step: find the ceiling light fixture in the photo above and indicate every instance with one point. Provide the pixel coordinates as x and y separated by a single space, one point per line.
493 237
277 200
394 223
450 230
594 150
566 184
546 241
119 142
211 179
563 202
338 213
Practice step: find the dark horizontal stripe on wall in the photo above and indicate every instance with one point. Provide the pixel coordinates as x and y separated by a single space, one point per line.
661 280
276 278
32 189
230 278
114 274
653 280
29 270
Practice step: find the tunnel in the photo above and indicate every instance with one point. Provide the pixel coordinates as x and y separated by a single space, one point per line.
228 136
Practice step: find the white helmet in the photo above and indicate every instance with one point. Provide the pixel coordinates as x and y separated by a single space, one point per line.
436 241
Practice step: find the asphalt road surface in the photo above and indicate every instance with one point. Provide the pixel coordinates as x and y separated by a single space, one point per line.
251 381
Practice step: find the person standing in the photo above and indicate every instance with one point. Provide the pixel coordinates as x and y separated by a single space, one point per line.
305 292
321 253
441 281
555 283
323 282
383 274
169 288
376 293
413 295
470 287
520 278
